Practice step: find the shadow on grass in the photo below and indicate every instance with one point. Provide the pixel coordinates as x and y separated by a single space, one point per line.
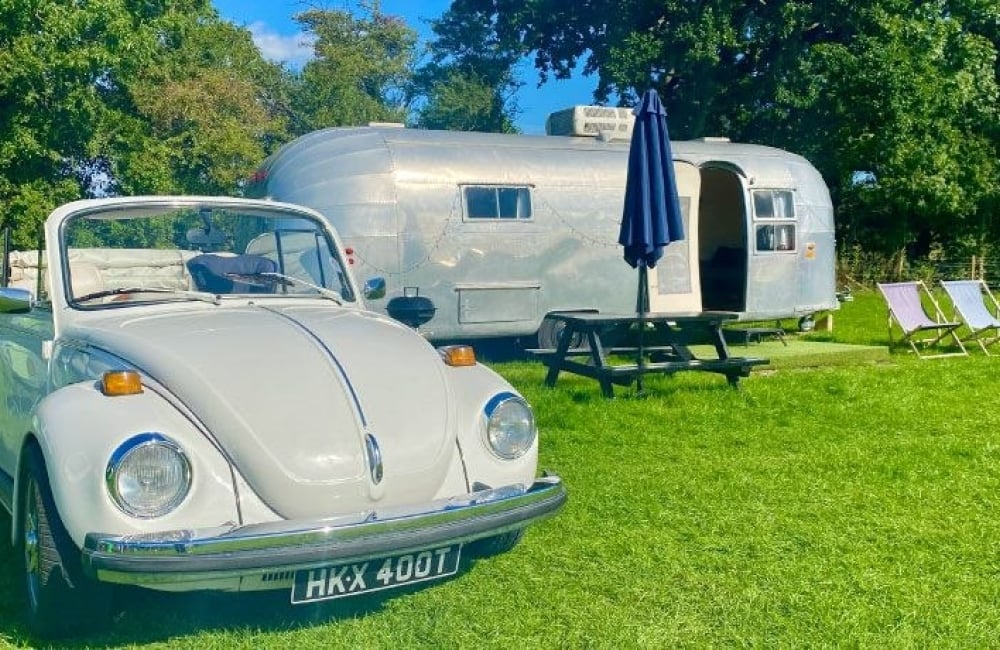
144 616
585 390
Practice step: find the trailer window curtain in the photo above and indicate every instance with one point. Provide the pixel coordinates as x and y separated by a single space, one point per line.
774 220
497 202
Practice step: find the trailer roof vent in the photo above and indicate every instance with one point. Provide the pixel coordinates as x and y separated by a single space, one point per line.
606 122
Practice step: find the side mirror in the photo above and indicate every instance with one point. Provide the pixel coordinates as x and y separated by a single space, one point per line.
374 288
16 301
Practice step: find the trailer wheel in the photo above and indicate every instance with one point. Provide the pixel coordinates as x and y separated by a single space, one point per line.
550 333
807 323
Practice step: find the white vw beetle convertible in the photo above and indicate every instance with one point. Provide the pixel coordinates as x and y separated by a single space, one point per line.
194 397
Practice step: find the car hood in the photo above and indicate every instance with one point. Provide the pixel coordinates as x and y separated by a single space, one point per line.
291 392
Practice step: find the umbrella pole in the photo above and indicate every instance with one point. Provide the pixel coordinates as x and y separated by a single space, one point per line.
642 306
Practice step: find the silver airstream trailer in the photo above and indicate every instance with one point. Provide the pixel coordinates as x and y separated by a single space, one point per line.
499 230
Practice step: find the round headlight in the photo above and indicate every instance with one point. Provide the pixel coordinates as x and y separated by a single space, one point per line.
148 476
510 428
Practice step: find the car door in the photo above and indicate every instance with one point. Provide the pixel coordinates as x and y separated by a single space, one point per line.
23 376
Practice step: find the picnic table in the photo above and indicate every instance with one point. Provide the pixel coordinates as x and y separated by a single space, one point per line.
669 351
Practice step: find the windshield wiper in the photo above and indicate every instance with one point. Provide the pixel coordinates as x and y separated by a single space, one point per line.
118 291
285 280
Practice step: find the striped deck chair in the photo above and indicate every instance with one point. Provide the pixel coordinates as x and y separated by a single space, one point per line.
906 309
973 302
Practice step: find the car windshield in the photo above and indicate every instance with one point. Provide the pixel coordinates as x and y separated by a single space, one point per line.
152 253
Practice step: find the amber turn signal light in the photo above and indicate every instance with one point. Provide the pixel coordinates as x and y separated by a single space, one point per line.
458 355
121 382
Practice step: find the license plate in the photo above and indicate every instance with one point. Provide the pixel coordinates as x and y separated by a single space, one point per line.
341 580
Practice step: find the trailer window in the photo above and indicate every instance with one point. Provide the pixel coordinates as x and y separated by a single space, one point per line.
497 202
774 220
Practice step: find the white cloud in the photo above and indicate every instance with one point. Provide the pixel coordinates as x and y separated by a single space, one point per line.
293 50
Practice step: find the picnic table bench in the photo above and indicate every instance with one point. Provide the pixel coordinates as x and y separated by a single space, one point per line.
669 350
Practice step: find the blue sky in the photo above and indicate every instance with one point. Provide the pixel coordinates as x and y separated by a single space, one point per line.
279 38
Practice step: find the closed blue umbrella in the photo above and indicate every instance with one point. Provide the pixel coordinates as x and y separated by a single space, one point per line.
651 218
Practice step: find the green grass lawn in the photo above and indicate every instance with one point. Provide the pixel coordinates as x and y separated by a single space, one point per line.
844 505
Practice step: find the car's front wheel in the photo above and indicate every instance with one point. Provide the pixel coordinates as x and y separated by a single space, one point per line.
60 600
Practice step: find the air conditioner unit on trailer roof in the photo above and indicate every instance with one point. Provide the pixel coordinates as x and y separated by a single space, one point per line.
595 121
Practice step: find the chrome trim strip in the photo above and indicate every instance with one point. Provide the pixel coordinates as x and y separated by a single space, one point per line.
330 355
375 467
186 557
487 286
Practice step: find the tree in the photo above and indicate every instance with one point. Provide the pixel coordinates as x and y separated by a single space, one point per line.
911 101
207 113
130 96
469 83
904 94
457 100
360 72
56 63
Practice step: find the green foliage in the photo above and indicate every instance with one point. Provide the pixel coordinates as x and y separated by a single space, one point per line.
360 72
920 132
118 96
906 95
57 66
208 111
167 232
458 101
469 83
126 97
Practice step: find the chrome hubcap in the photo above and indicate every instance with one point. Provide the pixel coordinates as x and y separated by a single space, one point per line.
374 458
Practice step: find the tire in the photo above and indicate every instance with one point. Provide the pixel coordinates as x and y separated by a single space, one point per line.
497 544
59 599
550 333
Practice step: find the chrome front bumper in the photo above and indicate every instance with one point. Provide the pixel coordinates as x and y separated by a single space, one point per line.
264 556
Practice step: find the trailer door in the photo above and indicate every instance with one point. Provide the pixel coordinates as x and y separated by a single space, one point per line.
722 246
675 285
772 288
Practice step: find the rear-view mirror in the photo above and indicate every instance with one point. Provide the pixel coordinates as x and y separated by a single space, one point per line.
203 237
